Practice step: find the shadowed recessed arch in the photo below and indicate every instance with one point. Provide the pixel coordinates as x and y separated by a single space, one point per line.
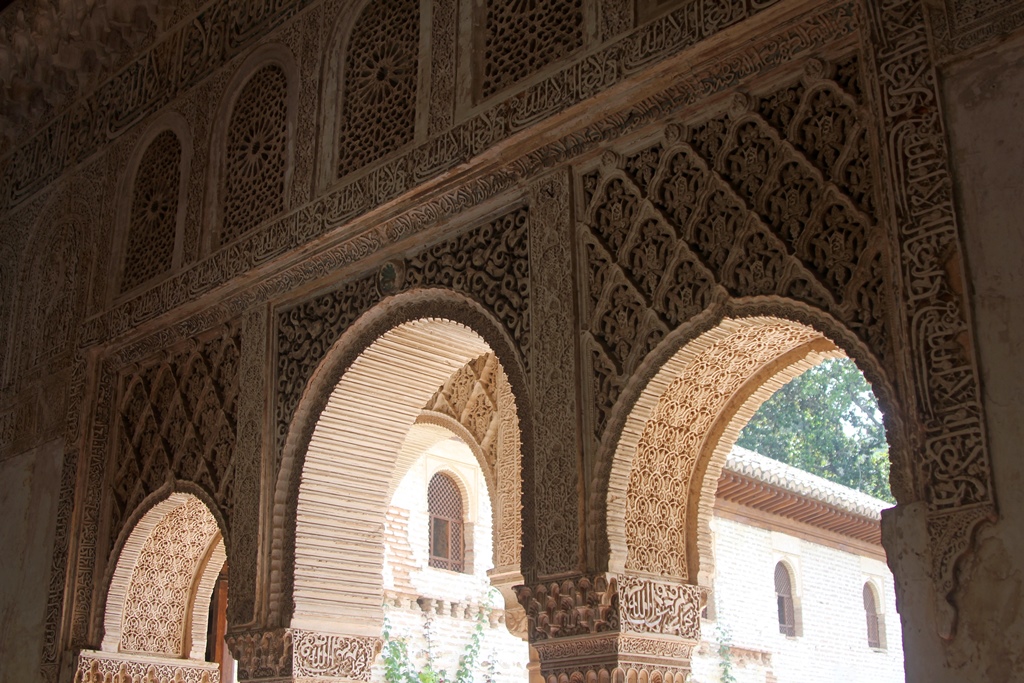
345 450
159 593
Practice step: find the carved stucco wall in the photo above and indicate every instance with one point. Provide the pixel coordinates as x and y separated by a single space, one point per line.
646 81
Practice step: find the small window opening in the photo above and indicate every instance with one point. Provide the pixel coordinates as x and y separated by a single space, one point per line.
444 501
871 612
784 598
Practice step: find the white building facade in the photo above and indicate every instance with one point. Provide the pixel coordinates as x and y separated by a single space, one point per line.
768 515
824 536
437 609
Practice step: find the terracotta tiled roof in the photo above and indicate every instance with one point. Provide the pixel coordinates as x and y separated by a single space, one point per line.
760 483
764 469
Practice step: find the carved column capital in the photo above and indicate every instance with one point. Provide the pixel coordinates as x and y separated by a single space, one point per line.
295 654
608 623
583 605
262 655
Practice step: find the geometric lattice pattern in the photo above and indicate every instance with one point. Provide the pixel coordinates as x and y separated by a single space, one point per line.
378 99
444 500
178 419
158 599
525 36
256 156
774 197
153 221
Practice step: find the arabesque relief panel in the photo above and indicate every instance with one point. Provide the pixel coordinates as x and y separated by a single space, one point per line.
773 197
827 186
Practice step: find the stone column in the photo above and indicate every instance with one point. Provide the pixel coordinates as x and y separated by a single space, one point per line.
614 628
285 654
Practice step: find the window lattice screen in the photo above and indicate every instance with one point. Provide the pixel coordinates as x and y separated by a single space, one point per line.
784 597
444 501
871 612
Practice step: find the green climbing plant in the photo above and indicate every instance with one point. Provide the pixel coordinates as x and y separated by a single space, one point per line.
399 666
724 639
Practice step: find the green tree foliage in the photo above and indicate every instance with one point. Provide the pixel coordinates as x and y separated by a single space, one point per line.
827 422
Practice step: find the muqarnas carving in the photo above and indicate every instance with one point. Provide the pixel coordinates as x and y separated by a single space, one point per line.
378 98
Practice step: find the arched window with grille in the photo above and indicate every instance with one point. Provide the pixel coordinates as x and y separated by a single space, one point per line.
876 628
444 501
784 599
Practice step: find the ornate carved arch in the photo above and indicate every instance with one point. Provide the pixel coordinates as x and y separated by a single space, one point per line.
375 380
477 405
160 589
686 417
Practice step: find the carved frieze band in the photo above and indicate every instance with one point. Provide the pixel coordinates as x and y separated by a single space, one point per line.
398 175
960 25
954 465
319 654
104 667
171 67
600 659
288 653
589 605
225 29
663 607
614 654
